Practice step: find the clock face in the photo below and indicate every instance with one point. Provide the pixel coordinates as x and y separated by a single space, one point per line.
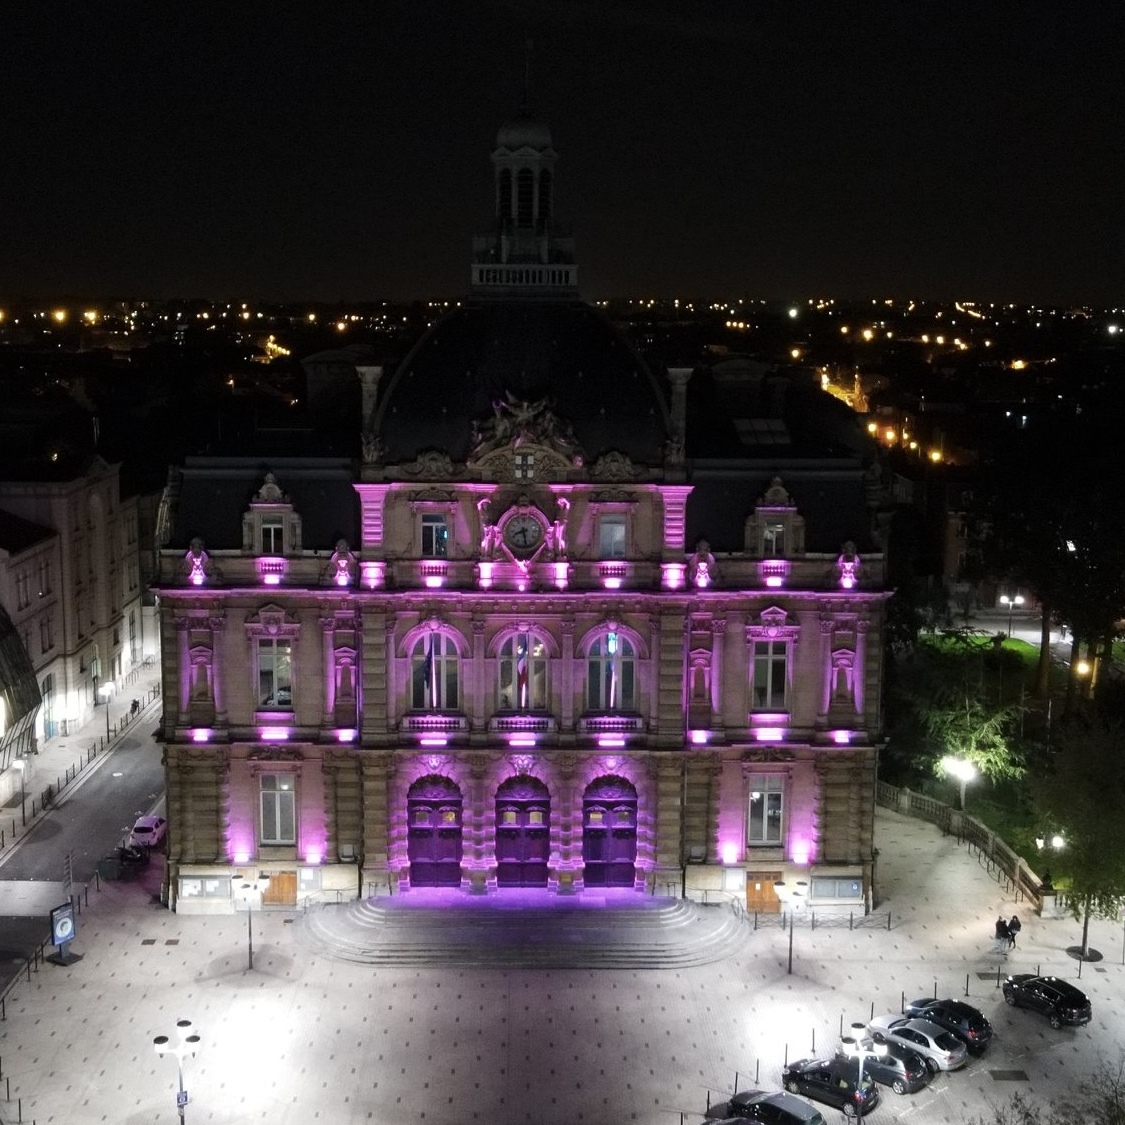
523 533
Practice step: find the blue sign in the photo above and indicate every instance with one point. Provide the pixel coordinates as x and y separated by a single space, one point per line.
63 928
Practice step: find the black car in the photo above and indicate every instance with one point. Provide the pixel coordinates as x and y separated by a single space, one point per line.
891 1064
960 1019
1056 999
836 1082
771 1109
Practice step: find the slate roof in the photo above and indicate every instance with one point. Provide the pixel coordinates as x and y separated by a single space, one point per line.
18 535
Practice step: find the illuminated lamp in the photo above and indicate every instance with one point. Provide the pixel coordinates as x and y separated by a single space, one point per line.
373 573
611 583
435 581
610 741
522 740
774 581
699 737
273 734
673 575
433 740
345 734
313 856
201 734
769 734
241 857
561 572
484 575
728 852
843 737
799 852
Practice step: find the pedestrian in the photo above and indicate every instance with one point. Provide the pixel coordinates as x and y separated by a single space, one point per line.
1001 934
1014 927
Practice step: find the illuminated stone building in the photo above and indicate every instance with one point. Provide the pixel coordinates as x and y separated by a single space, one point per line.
565 622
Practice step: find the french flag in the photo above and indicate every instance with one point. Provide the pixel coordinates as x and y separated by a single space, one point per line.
521 675
428 673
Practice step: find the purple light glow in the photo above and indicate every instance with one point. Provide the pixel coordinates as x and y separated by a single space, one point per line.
314 857
273 734
433 740
703 576
197 578
841 736
769 734
344 734
611 763
673 575
270 571
612 583
485 575
699 737
799 852
522 740
241 857
373 573
847 581
728 852
773 572
201 734
610 742
561 569
773 581
435 581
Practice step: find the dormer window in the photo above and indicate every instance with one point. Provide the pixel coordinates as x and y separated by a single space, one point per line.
271 528
773 540
273 536
775 530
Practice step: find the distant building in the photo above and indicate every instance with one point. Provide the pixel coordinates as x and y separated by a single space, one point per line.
567 622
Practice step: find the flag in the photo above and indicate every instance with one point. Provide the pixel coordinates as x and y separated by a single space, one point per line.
521 675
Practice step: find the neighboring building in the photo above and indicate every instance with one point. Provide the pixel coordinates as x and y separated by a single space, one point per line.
72 566
567 622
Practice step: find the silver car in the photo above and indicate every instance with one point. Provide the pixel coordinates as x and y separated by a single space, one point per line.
941 1049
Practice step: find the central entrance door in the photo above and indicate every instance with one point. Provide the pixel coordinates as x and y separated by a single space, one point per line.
609 833
523 827
434 843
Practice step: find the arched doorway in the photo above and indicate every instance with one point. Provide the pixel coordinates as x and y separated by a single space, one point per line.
609 833
433 809
523 826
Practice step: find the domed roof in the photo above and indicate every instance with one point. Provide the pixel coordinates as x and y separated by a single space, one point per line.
564 352
524 131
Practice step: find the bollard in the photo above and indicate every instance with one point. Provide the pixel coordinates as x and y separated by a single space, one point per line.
785 1057
872 1011
966 984
814 1041
735 1085
97 879
888 921
902 1001
935 989
841 1025
851 919
755 921
757 1072
813 917
86 893
997 976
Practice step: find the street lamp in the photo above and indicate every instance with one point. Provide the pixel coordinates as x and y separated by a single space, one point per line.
963 771
1011 603
187 1043
251 895
21 766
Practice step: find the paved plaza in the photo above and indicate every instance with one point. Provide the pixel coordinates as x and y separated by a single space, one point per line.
304 1037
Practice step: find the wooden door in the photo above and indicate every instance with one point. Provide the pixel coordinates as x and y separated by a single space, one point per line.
761 898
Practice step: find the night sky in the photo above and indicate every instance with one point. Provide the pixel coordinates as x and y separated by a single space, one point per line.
707 148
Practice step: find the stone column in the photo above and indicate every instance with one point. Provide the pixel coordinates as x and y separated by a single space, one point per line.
477 685
327 632
566 709
218 668
718 670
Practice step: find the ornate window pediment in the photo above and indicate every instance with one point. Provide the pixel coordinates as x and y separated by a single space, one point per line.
270 526
775 529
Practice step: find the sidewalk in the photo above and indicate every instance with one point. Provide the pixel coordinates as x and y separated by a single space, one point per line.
302 1037
65 760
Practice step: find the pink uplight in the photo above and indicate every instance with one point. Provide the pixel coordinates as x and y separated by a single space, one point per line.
522 740
435 581
699 737
241 857
345 734
847 581
484 579
433 740
769 734
201 734
611 742
273 734
774 581
561 570
272 579
612 583
197 578
799 852
728 852
373 573
842 736
673 575
313 857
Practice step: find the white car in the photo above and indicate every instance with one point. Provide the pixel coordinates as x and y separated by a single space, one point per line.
941 1049
148 832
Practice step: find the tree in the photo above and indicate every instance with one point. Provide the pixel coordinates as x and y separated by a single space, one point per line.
1099 1097
1081 797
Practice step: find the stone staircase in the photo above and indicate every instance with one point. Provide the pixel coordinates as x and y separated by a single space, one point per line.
524 930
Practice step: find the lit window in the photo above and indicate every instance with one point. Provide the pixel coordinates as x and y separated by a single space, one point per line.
770 665
435 537
523 674
435 670
273 542
773 540
275 674
611 537
611 671
763 822
279 819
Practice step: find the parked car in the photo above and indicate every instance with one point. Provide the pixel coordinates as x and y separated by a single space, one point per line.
148 832
771 1109
1056 999
941 1049
890 1064
969 1024
836 1082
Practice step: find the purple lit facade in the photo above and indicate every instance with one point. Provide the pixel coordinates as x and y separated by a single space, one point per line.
546 637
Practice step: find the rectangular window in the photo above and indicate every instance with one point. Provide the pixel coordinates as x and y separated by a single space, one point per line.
279 809
435 537
44 577
273 539
611 537
275 681
824 886
766 809
770 665
23 586
773 540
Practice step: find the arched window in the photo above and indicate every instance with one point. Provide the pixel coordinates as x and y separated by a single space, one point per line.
504 199
525 197
544 197
611 674
434 674
523 673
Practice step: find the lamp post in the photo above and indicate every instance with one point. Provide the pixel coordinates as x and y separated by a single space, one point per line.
187 1043
106 691
251 893
1011 603
963 771
21 766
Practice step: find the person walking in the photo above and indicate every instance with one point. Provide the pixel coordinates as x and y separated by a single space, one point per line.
1002 935
1014 927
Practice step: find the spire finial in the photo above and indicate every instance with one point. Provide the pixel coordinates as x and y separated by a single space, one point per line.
527 49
